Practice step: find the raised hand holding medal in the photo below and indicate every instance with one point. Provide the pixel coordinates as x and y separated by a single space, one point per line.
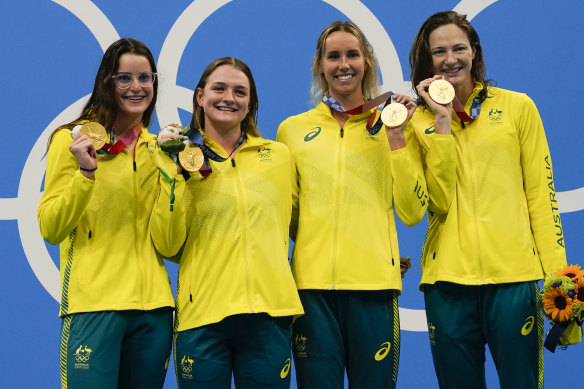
187 155
442 111
172 141
395 116
94 131
87 139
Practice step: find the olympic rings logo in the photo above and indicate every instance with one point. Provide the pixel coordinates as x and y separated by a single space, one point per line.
172 96
82 358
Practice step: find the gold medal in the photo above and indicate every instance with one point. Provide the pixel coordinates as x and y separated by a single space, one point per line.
394 115
95 132
191 158
441 91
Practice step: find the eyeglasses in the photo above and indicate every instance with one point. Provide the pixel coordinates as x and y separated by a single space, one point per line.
124 80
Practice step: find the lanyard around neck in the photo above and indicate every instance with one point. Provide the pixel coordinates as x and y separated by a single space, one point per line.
373 129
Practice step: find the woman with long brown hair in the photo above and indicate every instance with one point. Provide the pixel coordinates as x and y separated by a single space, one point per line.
100 188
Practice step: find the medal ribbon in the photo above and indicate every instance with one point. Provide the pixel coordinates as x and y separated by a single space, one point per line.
384 99
475 109
196 138
121 143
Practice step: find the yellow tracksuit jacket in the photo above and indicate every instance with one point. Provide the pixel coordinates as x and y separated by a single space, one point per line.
346 184
233 230
494 218
107 258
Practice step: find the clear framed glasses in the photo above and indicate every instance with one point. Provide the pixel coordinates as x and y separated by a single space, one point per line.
124 80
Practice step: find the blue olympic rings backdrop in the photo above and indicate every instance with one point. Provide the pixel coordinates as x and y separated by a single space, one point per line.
51 51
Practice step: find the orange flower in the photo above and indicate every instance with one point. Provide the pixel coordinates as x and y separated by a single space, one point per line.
579 297
571 271
557 304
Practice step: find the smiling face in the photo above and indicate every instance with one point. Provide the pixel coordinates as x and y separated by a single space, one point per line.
133 101
225 98
452 56
343 65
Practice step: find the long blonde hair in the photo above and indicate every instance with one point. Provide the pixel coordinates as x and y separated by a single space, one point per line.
368 84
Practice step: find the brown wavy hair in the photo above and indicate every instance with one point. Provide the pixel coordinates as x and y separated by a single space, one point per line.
102 107
249 123
421 56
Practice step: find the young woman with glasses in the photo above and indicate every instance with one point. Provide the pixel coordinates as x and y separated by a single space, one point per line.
100 188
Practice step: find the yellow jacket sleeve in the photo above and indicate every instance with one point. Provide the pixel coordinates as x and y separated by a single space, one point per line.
538 181
168 221
440 162
67 191
282 138
409 185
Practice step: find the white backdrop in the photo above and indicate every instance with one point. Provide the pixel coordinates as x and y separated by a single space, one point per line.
51 53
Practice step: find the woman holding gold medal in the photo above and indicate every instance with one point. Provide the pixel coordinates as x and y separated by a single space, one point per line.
348 176
494 227
100 188
227 217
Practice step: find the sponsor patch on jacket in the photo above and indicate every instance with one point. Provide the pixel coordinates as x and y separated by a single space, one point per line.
430 130
312 134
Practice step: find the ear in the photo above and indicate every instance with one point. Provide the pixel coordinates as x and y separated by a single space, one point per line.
199 96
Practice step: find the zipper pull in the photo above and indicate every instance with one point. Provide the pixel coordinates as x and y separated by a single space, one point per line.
462 124
342 132
134 163
233 162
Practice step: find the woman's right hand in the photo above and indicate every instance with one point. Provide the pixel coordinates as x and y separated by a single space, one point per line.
164 137
84 151
170 132
442 113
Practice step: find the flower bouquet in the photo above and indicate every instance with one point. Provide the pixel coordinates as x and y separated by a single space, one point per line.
563 303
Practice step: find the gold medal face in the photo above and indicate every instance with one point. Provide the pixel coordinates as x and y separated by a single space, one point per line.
441 91
394 115
96 133
191 158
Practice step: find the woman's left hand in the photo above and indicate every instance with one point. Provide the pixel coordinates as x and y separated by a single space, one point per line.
404 265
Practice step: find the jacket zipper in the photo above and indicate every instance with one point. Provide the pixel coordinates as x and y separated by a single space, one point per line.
243 218
338 195
135 213
474 202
